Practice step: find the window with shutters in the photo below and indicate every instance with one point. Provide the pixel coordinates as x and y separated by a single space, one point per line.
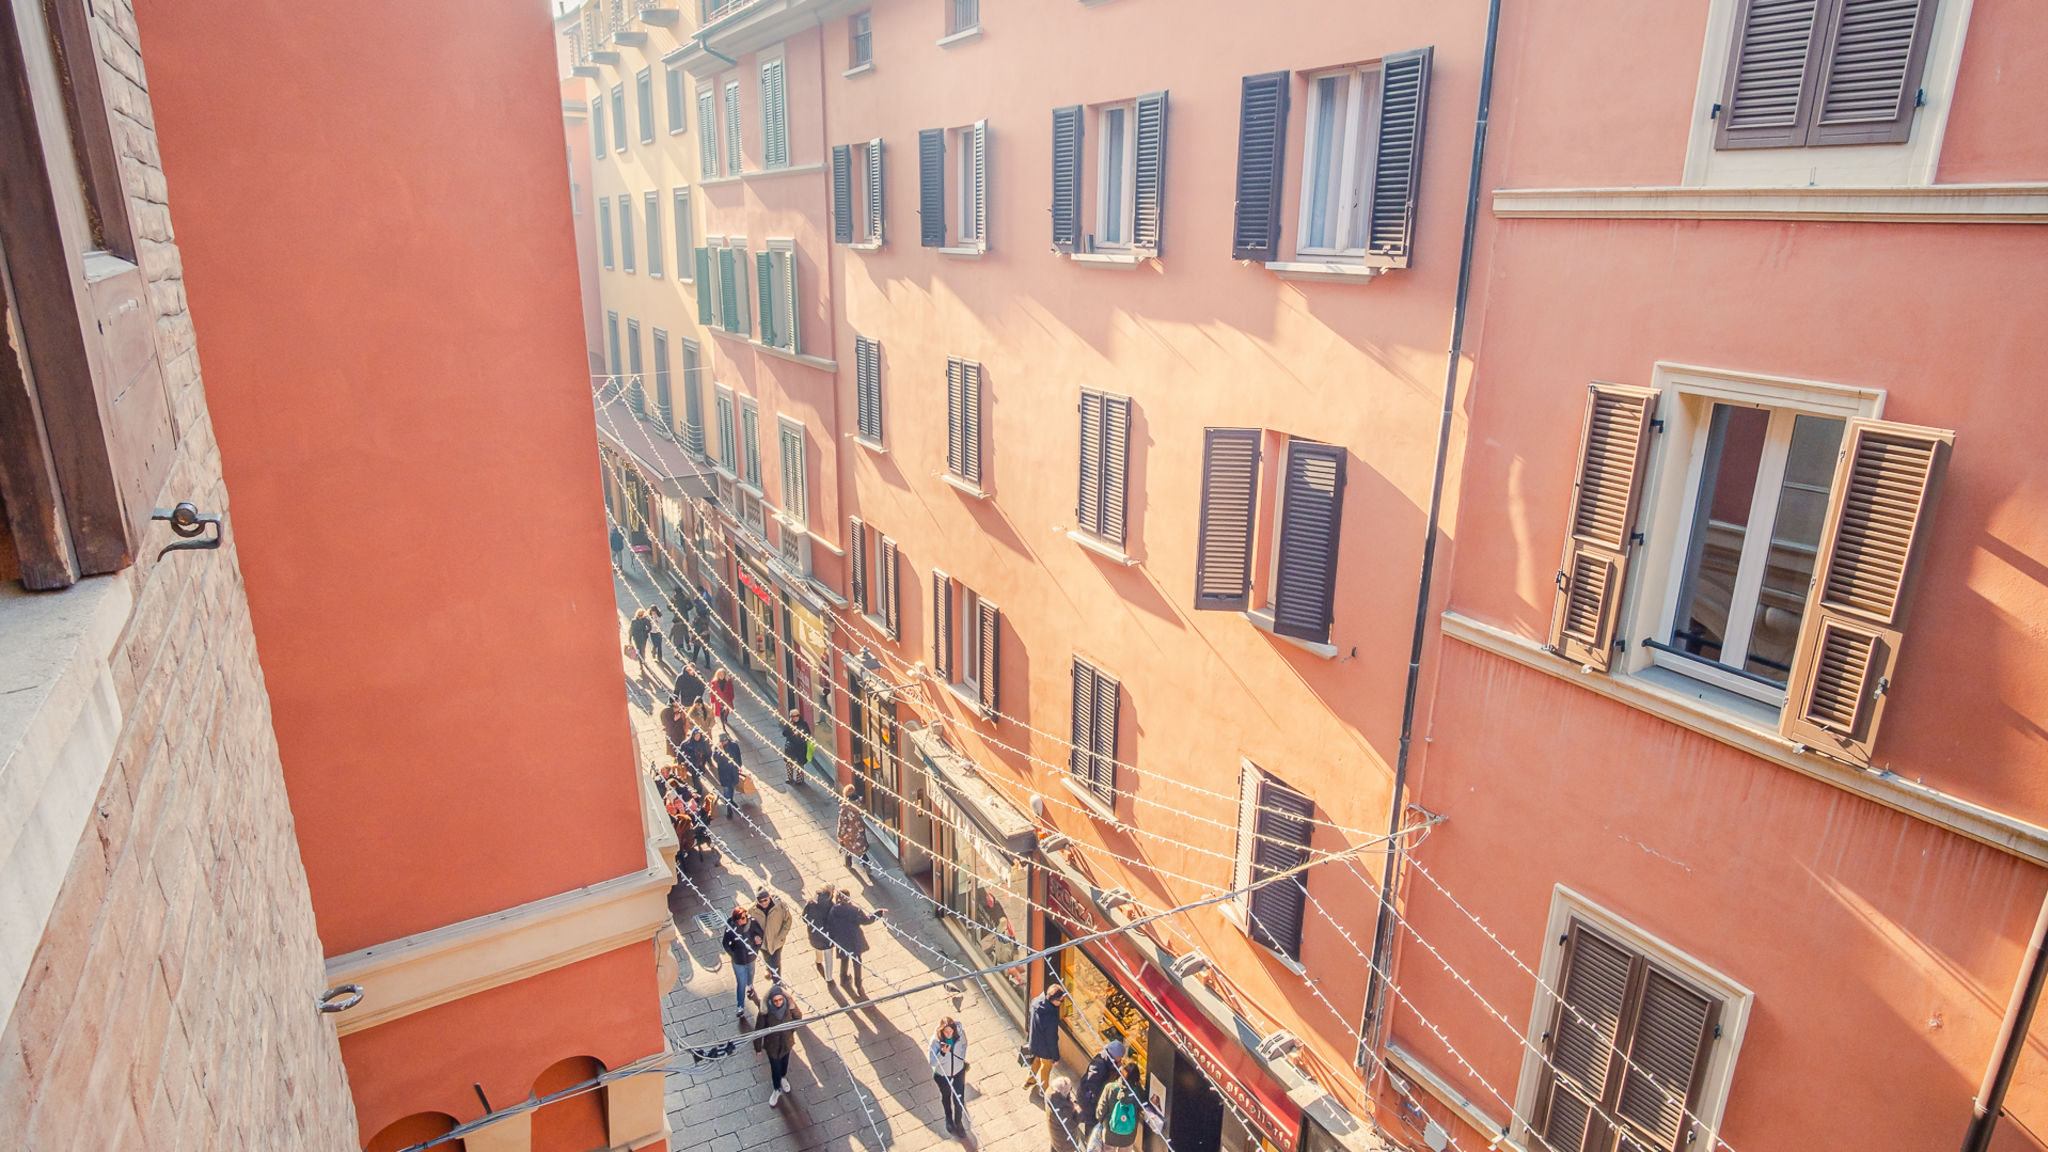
963 424
857 194
619 118
728 265
604 229
962 16
776 279
626 248
970 155
867 390
707 133
615 365
952 206
1634 1042
1274 823
636 389
774 113
1096 702
796 503
860 41
1297 594
654 246
728 432
732 127
674 80
693 397
598 138
686 237
643 92
664 397
872 583
750 444
1105 447
1122 220
965 631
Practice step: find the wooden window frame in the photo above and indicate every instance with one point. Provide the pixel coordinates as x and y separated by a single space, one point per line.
1123 211
1358 139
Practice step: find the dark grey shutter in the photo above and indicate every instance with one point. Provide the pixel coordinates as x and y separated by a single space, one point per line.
875 190
1769 90
728 289
597 135
1311 512
1869 81
842 193
857 564
693 401
1230 496
764 285
618 117
1088 506
942 625
1261 155
931 187
1397 170
867 387
703 285
1103 762
891 590
1081 737
1148 175
1066 178
674 77
1116 452
970 436
1282 827
988 633
956 416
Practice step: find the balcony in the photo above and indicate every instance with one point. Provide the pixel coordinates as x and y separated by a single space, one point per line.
660 12
623 29
731 27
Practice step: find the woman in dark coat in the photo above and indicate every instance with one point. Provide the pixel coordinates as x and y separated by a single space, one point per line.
1063 1117
845 927
1044 1036
817 915
778 1009
796 747
727 760
696 754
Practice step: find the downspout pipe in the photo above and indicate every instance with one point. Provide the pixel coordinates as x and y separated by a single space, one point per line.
1371 1032
2012 1039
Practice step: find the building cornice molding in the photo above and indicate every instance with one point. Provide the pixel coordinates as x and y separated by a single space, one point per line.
712 48
1930 204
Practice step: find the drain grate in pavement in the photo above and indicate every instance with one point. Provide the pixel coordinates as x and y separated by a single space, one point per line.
708 923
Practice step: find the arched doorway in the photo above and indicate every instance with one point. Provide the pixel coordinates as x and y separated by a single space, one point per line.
414 1129
574 1124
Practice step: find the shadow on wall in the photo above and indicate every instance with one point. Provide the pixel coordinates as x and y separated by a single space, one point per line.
576 1124
414 1129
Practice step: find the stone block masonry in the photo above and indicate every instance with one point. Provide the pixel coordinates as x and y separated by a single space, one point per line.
170 1002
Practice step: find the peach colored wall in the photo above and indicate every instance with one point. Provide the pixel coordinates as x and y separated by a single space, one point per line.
1196 339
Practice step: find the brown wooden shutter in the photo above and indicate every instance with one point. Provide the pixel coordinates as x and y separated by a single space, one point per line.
1066 178
1283 824
875 190
1116 455
1886 484
1612 453
1579 1046
1148 175
1088 507
1769 90
886 583
1869 78
931 187
857 564
842 193
1311 519
1230 495
956 416
1261 156
988 632
1667 1050
942 625
1397 173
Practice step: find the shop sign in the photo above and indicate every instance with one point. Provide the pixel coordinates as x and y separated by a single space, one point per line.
752 585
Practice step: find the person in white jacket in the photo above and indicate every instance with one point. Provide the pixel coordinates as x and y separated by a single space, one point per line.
948 1055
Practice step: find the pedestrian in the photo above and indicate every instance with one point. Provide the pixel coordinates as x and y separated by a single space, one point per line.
778 1009
654 631
689 683
636 636
696 753
1116 1114
742 943
675 725
853 830
1063 1117
1100 1071
796 747
947 1053
817 916
846 928
774 918
1044 1036
727 760
721 693
679 638
618 544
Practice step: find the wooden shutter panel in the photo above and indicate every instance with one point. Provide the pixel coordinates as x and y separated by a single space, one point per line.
1869 81
842 193
774 116
1887 481
931 187
1261 155
1230 494
764 283
1248 777
793 338
1612 452
1311 516
956 416
1148 175
981 184
1066 178
1667 1051
1765 101
988 633
1088 505
1116 454
1580 1043
942 625
743 323
703 260
1283 825
867 389
1104 733
875 190
693 401
892 591
1080 757
1397 173
728 290
707 136
857 564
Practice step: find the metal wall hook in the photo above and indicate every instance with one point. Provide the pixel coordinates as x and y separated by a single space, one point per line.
341 997
188 522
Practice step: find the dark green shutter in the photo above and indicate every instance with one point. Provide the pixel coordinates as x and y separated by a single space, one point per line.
703 256
1261 154
764 286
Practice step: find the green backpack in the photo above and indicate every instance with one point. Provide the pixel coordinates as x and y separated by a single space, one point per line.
1123 1115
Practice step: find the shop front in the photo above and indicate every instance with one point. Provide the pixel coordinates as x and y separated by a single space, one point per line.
758 609
877 766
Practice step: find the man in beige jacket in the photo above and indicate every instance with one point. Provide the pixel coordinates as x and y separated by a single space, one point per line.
775 920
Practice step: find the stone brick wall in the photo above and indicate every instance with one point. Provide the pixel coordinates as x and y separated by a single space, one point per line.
170 1004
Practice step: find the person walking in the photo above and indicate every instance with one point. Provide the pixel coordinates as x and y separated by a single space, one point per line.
689 683
774 918
742 943
1063 1117
853 829
696 753
721 694
636 636
796 747
1117 1113
679 639
1044 1036
947 1054
618 544
778 1009
1100 1071
727 759
817 916
654 632
846 926
675 726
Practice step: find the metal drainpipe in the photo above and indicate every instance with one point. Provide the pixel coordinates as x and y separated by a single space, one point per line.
2012 1039
1372 1028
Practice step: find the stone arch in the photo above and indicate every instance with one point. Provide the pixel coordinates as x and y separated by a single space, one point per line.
575 1124
410 1130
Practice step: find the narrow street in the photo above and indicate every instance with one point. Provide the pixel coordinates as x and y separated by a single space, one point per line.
860 1080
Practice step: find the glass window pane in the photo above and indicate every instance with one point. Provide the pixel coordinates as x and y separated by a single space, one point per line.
1113 176
1322 159
1795 537
1735 446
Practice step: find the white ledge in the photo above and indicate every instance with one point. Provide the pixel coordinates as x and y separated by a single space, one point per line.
1984 825
833 598
856 70
1327 271
963 253
1090 801
964 486
818 362
874 446
964 36
1930 204
1235 919
715 181
1101 548
961 694
1107 259
785 170
1427 1079
1262 619
865 245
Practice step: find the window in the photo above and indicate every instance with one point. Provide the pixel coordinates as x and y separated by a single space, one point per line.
618 118
963 420
867 389
653 207
732 127
636 392
686 236
707 136
643 92
604 228
966 634
1803 73
750 443
673 79
1361 159
1274 826
1092 761
693 399
597 133
774 115
860 40
728 443
970 148
1302 561
796 507
871 580
962 16
722 264
611 328
857 193
664 403
626 232
775 273
1130 177
1105 458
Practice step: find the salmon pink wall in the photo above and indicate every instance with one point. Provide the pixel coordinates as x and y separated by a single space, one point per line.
380 255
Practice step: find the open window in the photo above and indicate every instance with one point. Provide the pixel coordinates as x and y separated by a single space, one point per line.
953 205
1110 199
966 632
1300 533
776 277
1275 824
857 194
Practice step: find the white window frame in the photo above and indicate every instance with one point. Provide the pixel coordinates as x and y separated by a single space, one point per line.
708 155
854 32
966 641
1669 496
761 63
798 517
863 210
1910 164
1123 211
1357 143
680 200
729 85
1736 1000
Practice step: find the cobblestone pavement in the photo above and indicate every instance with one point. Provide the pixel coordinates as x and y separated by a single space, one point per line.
860 1080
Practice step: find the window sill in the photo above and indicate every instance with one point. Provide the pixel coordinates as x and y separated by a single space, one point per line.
829 596
715 181
964 486
964 36
969 698
1107 259
1427 1079
866 246
1932 204
874 446
858 70
785 170
1236 920
727 334
1102 548
963 253
753 489
1325 271
653 275
1090 801
1687 710
818 362
1262 619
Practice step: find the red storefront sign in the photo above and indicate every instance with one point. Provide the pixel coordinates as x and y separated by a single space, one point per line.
747 579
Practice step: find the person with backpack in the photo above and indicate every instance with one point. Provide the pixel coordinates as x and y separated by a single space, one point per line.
1100 1071
947 1054
777 1046
1117 1113
742 944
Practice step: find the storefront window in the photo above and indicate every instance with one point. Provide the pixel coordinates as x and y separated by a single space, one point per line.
1101 1011
875 778
986 888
